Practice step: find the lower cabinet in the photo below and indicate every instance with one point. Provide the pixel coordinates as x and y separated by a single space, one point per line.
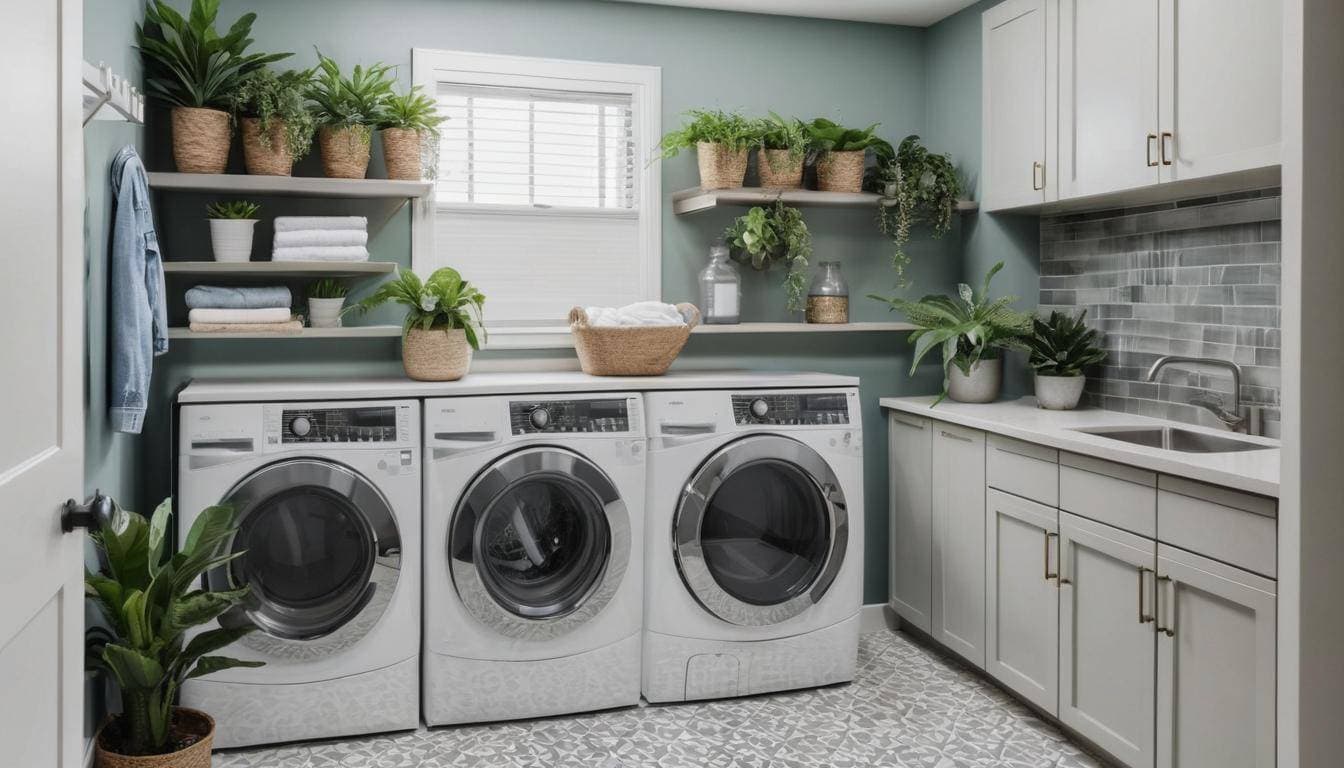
910 446
958 508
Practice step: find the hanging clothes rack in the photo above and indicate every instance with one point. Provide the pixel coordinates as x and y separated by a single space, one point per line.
110 97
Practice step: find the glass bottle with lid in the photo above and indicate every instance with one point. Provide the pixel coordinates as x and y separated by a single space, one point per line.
828 296
720 288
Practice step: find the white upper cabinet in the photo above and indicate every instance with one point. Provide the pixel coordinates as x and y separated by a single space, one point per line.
1019 104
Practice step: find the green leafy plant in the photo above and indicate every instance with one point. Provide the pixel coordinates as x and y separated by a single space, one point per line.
763 237
232 209
917 186
967 329
786 134
328 288
149 604
189 64
1062 345
444 301
730 129
357 101
413 110
829 136
269 97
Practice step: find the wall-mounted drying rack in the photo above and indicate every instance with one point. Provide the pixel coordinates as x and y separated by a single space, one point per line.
110 97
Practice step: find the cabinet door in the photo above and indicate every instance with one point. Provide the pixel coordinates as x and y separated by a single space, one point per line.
1221 86
1022 597
1215 664
1107 648
1019 103
910 451
1108 124
959 540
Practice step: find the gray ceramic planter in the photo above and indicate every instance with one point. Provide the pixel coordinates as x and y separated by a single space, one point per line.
982 386
1059 393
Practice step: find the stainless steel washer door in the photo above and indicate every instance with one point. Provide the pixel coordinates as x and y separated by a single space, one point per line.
538 543
761 530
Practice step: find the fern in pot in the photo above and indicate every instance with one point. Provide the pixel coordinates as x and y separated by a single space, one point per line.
971 331
784 144
1062 347
272 110
764 237
722 142
444 322
347 109
232 225
408 120
326 299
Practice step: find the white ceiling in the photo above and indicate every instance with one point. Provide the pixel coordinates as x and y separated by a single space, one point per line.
914 13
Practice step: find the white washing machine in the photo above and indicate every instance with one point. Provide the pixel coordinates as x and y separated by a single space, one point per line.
327 503
754 555
533 541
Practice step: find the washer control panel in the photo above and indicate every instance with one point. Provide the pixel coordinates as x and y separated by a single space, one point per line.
381 423
819 408
617 414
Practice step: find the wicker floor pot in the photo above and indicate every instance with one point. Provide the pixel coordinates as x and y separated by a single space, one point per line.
778 170
401 152
200 140
186 723
632 350
720 167
345 151
840 171
439 354
268 154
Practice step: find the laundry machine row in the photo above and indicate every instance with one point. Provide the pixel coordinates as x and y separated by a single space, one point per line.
472 559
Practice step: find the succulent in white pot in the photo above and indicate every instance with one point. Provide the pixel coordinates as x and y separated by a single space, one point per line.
326 300
1062 347
232 225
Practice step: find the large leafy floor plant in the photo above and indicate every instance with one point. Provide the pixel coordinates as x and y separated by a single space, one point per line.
763 237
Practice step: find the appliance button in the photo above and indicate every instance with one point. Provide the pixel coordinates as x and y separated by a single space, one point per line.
300 426
540 417
759 408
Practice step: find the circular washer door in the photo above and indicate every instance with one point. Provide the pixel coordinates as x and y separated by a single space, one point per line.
538 543
761 530
321 556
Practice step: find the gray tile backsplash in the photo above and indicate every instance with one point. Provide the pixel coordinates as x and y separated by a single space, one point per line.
1195 277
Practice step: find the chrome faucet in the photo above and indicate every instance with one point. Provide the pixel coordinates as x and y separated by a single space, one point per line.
1233 419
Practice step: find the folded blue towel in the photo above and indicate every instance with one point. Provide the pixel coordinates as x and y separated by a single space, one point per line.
252 297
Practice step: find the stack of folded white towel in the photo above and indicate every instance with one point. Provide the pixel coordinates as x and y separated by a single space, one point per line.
639 313
259 309
321 238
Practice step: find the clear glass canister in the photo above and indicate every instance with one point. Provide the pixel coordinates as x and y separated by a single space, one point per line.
828 296
720 288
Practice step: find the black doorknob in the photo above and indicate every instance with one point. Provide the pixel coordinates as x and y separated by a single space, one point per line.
97 513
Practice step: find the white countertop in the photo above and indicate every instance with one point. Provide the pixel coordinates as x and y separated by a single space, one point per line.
1252 471
494 383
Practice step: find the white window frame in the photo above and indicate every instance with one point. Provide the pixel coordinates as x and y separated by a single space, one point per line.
644 86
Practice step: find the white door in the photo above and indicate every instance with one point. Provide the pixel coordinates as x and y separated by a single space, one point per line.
1106 646
959 540
41 453
1108 126
1215 664
1022 597
1222 86
910 449
1019 103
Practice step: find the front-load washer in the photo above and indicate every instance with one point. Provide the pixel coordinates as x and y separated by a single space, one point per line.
533 565
754 552
327 503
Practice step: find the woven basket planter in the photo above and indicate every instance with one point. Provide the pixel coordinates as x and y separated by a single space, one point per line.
266 155
841 171
779 171
401 152
720 167
200 140
439 354
635 350
186 723
345 151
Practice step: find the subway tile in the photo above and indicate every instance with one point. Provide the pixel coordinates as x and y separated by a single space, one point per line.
1256 295
1258 316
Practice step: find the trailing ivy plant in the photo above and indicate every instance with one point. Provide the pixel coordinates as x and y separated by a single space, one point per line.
268 97
763 237
917 186
730 129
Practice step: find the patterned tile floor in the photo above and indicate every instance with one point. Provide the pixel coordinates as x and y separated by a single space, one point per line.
909 707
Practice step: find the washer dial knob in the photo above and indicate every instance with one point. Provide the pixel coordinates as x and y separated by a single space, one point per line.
301 426
759 408
540 417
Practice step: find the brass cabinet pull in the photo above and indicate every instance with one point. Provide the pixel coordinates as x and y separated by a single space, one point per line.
1170 629
1143 617
1152 138
1037 171
1048 574
1167 138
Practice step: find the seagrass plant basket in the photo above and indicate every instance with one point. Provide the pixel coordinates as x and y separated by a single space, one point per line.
630 350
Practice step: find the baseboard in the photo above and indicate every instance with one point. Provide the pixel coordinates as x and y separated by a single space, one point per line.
876 617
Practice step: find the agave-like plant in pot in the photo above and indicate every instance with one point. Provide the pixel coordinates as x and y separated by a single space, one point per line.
443 324
1062 347
347 110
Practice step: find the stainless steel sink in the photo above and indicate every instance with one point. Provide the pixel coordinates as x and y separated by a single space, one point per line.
1175 439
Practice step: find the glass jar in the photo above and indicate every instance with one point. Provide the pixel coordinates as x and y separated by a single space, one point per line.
720 288
828 296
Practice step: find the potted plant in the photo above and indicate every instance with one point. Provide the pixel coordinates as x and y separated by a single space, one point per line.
407 119
763 237
149 603
231 228
916 185
784 145
193 69
326 299
722 142
277 127
970 330
443 322
841 154
1061 347
346 110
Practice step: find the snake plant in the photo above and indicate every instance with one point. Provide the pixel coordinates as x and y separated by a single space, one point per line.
1063 345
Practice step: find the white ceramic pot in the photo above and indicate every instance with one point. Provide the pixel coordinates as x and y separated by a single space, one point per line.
982 386
231 239
325 313
1059 393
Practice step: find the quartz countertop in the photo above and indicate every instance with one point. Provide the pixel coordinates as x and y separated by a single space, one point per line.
1252 471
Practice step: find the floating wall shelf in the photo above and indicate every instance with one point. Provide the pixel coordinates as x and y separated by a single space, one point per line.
350 332
290 186
697 200
279 268
870 327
